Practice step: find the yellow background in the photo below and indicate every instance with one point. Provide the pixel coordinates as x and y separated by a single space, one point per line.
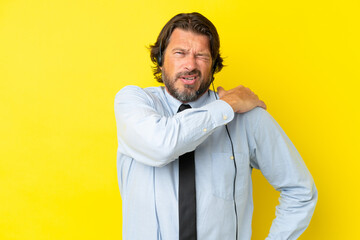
62 62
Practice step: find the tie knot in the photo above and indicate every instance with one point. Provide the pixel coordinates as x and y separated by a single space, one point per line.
183 107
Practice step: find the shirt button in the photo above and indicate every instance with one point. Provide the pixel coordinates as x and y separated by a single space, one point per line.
204 129
225 117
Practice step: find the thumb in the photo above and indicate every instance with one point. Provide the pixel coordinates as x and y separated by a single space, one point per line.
221 91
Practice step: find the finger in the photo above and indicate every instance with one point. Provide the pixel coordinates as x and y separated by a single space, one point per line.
220 91
262 104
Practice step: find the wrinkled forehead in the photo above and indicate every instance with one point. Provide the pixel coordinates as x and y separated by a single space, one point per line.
188 39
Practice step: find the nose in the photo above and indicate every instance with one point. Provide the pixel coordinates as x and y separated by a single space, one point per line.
190 62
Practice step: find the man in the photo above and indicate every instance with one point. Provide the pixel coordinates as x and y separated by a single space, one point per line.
186 174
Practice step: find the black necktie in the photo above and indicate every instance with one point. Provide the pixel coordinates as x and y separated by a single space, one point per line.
187 194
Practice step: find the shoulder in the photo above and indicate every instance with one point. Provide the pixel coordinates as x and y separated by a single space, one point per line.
256 115
132 92
258 119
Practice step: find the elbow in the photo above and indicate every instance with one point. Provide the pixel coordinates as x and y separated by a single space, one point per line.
161 153
312 201
153 157
161 158
309 198
314 197
143 150
300 196
143 153
311 195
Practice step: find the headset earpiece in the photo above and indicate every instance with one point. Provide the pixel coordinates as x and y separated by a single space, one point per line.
159 57
214 66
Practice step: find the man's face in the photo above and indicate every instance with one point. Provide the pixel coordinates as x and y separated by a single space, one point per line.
186 71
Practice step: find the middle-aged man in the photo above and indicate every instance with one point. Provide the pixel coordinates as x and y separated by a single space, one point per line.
186 154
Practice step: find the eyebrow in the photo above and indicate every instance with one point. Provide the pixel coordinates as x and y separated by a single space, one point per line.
203 53
179 49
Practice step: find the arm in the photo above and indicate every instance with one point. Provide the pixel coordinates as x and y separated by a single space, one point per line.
147 134
283 167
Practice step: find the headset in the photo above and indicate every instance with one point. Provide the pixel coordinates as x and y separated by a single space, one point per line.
159 56
159 59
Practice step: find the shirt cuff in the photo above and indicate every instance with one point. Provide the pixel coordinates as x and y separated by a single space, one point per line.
220 111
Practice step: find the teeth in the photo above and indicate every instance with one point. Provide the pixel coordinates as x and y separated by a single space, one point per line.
192 78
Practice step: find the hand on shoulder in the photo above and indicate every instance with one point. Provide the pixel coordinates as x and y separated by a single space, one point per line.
240 98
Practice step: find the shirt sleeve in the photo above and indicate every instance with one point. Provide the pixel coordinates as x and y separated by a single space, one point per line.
148 134
283 167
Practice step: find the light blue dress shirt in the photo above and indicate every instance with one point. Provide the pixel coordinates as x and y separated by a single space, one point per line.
152 135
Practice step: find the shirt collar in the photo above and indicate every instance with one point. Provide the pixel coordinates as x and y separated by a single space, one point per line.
175 104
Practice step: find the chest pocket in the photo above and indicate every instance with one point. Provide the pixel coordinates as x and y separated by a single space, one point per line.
223 173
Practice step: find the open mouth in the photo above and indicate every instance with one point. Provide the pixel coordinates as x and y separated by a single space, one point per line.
188 79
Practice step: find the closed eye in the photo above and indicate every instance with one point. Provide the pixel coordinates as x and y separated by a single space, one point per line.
203 56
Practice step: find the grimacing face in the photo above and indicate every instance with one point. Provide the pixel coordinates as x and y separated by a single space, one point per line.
186 71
